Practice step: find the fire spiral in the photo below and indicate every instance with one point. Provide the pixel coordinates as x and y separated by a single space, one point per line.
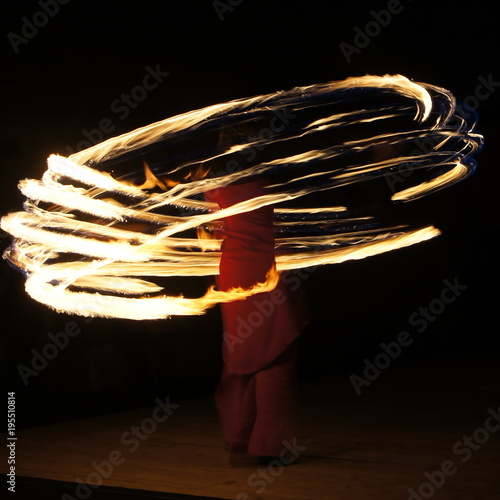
100 234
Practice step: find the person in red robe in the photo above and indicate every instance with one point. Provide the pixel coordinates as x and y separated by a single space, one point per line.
255 398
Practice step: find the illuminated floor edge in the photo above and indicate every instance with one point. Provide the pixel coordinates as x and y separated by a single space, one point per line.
373 446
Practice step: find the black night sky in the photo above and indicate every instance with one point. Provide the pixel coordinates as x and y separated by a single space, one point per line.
66 81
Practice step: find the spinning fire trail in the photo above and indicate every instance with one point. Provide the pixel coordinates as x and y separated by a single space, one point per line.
96 238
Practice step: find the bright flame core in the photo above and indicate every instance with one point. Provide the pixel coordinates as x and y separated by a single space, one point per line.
92 243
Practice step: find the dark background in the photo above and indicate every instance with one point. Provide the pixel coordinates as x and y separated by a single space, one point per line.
64 79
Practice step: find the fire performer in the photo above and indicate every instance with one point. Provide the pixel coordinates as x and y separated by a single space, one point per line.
255 398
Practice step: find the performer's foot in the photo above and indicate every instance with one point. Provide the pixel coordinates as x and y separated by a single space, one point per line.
239 456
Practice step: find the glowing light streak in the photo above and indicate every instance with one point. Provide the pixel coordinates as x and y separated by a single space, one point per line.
94 242
458 172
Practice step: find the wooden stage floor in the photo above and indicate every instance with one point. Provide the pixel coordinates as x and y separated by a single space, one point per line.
417 424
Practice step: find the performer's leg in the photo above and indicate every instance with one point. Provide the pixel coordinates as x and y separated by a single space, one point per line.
276 402
235 401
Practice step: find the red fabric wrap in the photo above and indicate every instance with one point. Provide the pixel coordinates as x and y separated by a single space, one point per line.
258 329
